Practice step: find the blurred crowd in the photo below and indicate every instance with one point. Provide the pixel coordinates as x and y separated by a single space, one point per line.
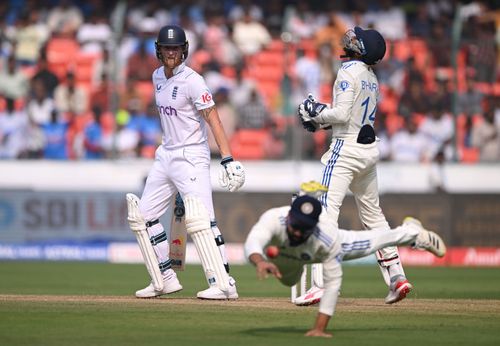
75 76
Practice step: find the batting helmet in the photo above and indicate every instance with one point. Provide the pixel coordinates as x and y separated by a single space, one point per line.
368 43
172 36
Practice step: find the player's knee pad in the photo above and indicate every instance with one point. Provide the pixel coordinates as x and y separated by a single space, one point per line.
199 228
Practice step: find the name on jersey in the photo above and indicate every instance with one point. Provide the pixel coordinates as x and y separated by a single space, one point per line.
167 110
369 86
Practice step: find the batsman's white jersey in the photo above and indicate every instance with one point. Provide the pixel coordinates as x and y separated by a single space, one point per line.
178 100
349 164
182 161
327 245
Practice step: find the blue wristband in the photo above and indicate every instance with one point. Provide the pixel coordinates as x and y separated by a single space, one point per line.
226 160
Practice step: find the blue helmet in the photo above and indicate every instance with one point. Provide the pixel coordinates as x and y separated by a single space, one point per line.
172 35
368 43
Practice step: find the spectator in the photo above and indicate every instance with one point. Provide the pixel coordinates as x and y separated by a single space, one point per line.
242 90
127 138
12 124
471 100
100 96
45 76
70 99
150 132
94 34
13 82
56 135
308 73
34 141
41 106
30 37
249 35
440 97
408 145
93 136
389 19
242 7
440 45
141 64
64 19
438 129
217 40
273 18
130 98
384 141
486 137
419 24
254 114
302 22
331 34
413 100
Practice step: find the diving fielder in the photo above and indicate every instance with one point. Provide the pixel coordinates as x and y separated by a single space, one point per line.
303 238
182 164
350 162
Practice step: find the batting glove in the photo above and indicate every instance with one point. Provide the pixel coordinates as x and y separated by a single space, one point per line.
232 174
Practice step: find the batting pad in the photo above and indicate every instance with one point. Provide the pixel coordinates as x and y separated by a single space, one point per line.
138 226
198 227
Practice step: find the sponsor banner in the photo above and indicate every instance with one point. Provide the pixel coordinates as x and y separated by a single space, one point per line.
474 257
55 252
455 257
130 253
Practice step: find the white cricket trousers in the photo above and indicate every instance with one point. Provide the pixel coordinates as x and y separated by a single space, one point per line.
351 165
357 244
185 170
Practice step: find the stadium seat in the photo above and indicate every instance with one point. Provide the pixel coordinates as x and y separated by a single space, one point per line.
85 66
249 144
62 50
145 89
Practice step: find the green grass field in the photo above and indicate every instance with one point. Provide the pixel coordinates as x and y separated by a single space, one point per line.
50 303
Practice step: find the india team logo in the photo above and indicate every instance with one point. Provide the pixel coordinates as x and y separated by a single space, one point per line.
306 208
344 85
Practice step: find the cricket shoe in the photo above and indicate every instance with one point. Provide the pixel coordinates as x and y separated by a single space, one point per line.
170 285
311 297
215 293
398 289
427 240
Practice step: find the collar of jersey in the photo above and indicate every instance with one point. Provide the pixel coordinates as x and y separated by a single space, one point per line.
178 69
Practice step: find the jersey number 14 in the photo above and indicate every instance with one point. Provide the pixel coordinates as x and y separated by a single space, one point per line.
371 117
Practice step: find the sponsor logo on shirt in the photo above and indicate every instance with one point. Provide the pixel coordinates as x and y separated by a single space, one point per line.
174 92
167 110
206 97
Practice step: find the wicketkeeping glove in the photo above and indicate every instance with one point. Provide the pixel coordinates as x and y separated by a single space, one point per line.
232 174
308 110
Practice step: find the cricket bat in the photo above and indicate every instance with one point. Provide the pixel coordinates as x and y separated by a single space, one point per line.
178 235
